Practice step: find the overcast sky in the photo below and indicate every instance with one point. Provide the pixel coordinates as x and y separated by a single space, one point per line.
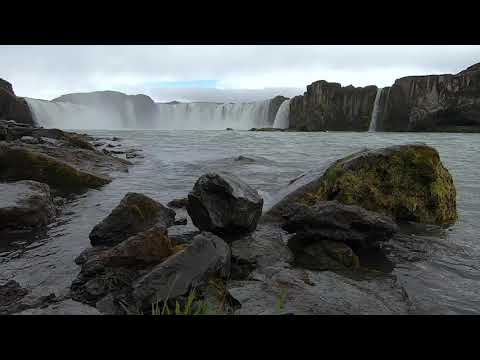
218 73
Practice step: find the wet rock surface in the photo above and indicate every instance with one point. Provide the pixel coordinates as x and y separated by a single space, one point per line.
223 204
135 213
338 222
206 256
25 205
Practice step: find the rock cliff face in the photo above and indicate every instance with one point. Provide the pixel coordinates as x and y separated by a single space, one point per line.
449 103
274 106
13 107
329 106
433 103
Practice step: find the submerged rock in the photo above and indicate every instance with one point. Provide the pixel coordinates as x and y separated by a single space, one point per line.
25 205
405 182
20 163
223 204
135 213
206 256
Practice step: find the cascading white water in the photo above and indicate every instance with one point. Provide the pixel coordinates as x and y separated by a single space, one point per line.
169 116
375 111
212 116
281 118
63 115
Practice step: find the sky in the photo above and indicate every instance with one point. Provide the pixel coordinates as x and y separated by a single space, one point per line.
216 72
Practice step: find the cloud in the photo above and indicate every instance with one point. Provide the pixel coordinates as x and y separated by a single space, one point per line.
247 72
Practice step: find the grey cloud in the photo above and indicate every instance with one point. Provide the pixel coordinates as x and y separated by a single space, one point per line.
49 71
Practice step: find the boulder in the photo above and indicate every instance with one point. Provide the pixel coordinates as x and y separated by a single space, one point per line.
206 256
404 182
332 220
150 246
25 205
10 293
135 213
223 204
19 163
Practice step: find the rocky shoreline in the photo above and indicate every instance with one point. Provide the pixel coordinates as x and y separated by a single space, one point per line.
218 250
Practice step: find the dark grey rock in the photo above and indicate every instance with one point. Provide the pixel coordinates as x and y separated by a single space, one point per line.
223 204
178 203
335 221
66 307
135 213
207 255
25 205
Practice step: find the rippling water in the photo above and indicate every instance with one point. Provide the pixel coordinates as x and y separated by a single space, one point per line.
444 279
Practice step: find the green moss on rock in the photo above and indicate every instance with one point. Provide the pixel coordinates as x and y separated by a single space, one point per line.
17 163
407 182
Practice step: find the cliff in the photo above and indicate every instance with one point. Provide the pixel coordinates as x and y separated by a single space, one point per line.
329 106
433 103
13 107
437 103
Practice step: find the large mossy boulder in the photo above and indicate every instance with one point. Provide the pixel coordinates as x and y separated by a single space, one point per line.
25 205
20 163
224 205
405 182
135 213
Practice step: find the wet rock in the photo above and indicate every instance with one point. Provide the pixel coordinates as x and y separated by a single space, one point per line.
150 246
223 204
229 129
405 182
181 221
303 292
67 307
29 140
135 213
207 255
19 163
323 254
11 292
178 203
25 205
339 222
264 247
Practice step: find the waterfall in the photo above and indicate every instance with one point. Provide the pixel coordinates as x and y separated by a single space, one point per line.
375 111
212 116
166 116
64 115
282 116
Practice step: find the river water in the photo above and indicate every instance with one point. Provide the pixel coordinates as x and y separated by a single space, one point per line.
443 279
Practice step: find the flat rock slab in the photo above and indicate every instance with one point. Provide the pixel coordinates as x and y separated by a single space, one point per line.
18 163
25 205
302 292
67 307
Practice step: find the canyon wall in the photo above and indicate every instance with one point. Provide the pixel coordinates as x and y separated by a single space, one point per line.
329 106
13 107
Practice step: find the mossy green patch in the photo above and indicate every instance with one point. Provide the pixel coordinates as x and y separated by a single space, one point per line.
405 182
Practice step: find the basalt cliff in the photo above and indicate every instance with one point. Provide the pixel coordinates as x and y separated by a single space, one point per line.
449 103
13 107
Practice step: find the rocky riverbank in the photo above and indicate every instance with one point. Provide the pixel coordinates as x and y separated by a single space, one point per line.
311 253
